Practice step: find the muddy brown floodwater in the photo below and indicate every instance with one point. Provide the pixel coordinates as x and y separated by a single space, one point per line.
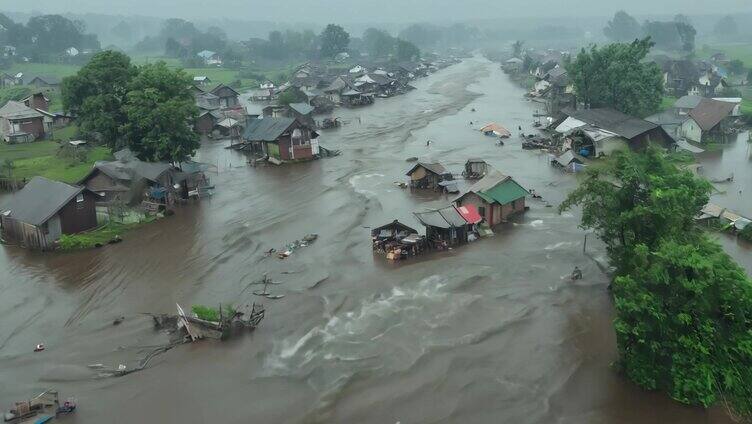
490 332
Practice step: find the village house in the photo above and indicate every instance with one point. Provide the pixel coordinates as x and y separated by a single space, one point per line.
707 121
341 84
40 213
228 97
569 161
7 80
201 80
8 51
130 181
397 241
209 57
72 52
711 84
282 139
303 112
600 132
20 123
41 81
497 197
424 175
444 227
37 101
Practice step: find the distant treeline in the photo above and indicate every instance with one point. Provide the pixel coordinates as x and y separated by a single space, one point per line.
44 38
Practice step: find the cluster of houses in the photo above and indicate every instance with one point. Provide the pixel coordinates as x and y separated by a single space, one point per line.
27 79
324 87
123 190
220 111
491 200
29 119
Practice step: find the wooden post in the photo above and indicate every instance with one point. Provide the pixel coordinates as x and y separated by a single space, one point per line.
584 244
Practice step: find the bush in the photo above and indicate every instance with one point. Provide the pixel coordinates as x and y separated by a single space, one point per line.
746 233
207 313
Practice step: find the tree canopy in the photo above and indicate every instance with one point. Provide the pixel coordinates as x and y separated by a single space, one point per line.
623 28
160 111
96 95
616 76
45 37
379 44
334 40
683 307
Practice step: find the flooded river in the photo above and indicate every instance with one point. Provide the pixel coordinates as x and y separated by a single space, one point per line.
489 332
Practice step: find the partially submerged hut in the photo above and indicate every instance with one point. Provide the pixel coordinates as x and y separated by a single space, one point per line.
44 210
475 169
397 241
426 175
496 196
444 227
494 129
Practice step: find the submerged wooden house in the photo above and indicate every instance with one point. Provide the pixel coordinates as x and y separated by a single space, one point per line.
282 139
445 227
424 175
39 214
496 196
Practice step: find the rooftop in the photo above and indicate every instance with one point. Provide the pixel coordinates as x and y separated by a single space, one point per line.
40 200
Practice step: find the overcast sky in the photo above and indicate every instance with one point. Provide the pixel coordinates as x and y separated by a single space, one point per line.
374 10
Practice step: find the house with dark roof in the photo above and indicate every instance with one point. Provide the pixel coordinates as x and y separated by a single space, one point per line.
707 121
444 227
425 175
129 181
40 213
42 81
604 130
20 123
496 196
282 139
37 101
228 97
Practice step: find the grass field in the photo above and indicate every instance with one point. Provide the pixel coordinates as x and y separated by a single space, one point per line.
97 237
47 69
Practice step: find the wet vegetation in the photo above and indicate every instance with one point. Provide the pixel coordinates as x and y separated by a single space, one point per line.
682 304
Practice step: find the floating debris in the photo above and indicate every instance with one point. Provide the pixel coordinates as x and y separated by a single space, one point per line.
297 244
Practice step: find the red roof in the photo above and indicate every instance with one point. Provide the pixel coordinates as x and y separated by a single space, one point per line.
469 213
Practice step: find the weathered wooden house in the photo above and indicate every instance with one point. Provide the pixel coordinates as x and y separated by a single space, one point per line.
282 139
425 175
496 196
20 123
39 214
228 97
444 227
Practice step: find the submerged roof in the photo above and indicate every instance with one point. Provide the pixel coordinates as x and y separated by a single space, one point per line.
267 129
40 200
447 217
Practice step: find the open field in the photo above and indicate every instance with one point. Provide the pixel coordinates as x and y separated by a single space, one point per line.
43 158
742 52
47 69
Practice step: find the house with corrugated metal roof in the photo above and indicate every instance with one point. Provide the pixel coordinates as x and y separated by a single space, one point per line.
20 123
282 139
496 196
445 227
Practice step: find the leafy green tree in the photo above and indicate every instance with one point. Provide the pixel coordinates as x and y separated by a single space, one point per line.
665 35
334 40
617 76
160 111
406 50
291 95
96 94
623 28
683 307
641 199
378 43
52 34
687 34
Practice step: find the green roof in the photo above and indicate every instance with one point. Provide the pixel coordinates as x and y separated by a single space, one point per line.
503 193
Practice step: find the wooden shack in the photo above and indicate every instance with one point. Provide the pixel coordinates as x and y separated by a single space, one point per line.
496 196
397 241
424 175
44 210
